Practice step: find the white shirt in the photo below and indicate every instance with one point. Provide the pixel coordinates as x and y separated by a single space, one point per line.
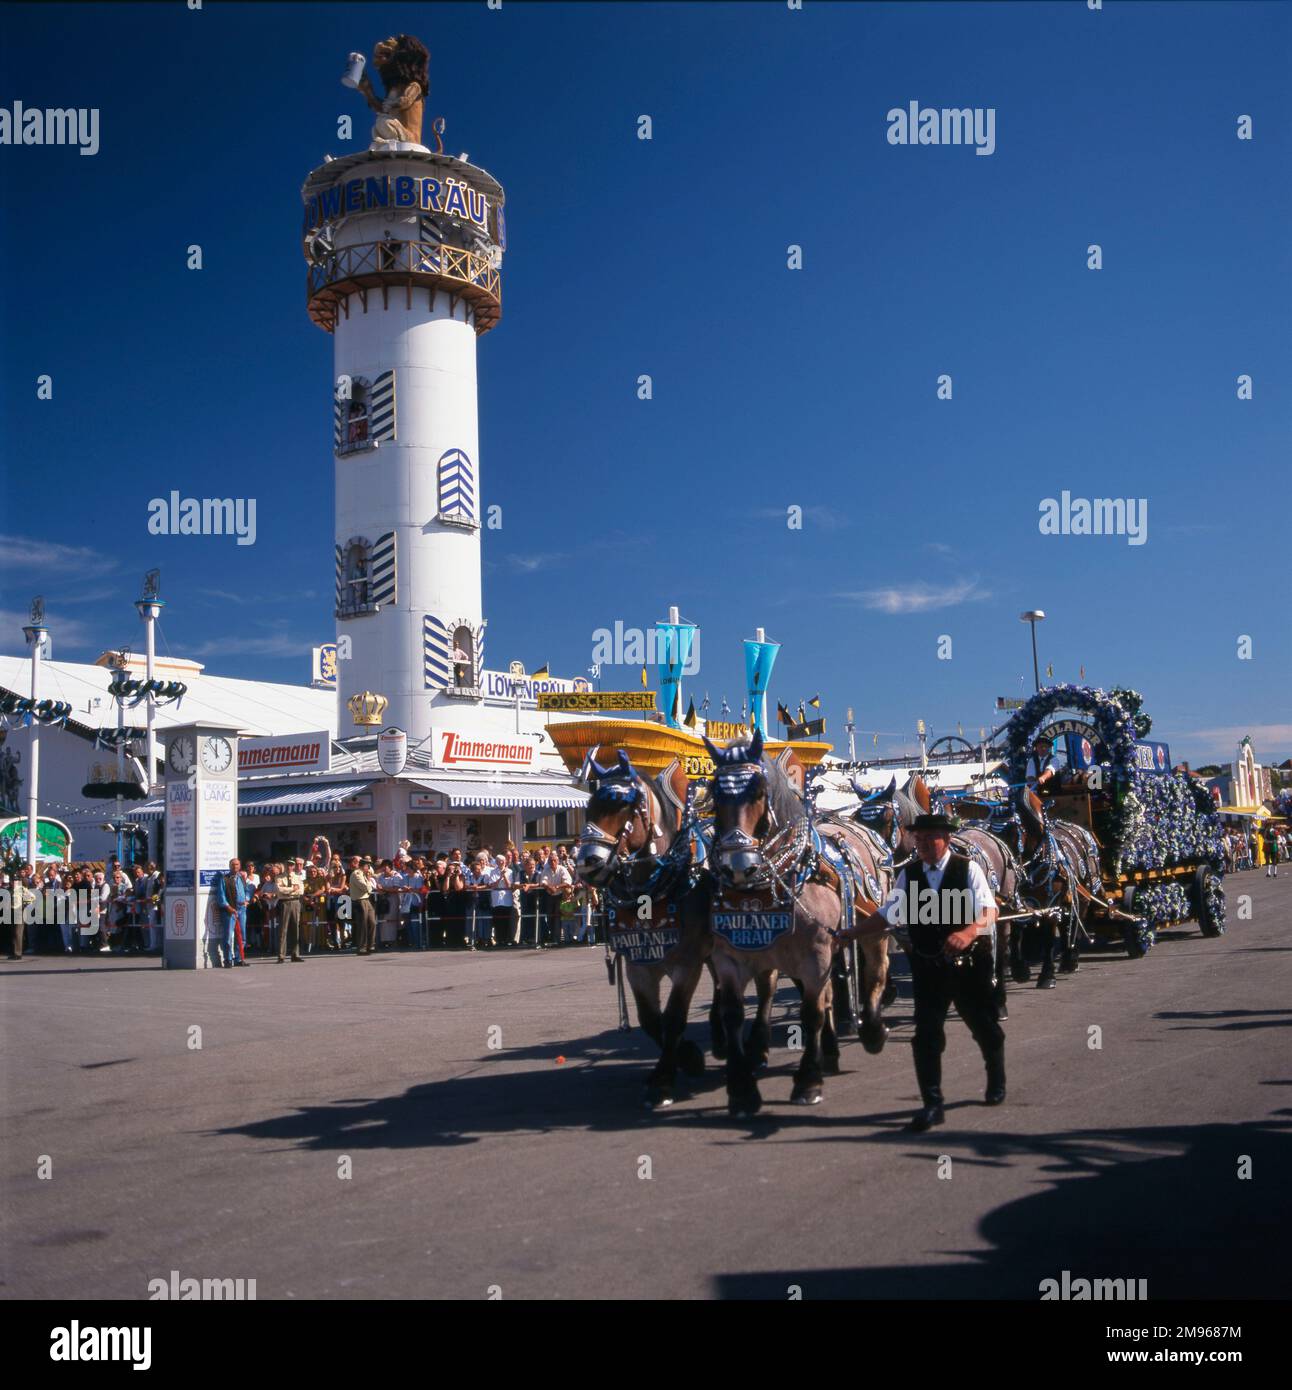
395 880
556 877
501 881
979 889
415 881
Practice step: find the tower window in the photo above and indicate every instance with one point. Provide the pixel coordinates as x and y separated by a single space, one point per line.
354 596
464 665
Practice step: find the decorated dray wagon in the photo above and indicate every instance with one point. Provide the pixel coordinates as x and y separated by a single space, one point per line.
1159 839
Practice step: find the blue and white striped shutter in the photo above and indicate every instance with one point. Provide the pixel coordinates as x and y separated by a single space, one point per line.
340 578
457 486
429 234
381 408
381 583
435 653
338 422
480 653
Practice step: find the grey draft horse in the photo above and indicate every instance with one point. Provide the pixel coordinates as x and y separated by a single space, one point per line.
637 849
777 905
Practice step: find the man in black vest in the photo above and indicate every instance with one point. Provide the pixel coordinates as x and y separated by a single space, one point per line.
947 908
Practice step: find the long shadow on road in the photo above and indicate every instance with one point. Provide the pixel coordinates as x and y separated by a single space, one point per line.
1168 1205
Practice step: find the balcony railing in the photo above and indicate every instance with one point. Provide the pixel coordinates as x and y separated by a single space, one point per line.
411 265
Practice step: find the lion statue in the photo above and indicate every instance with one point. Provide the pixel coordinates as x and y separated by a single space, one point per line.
404 65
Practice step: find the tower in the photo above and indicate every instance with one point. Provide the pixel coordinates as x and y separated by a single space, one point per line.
404 247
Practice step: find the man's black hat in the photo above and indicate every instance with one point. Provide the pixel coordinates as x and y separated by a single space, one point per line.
947 824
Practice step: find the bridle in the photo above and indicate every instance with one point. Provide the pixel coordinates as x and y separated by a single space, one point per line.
617 880
786 854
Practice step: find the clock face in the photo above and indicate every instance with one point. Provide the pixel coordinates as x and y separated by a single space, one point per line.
180 754
217 754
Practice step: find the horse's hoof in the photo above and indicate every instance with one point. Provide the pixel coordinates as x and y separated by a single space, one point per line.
830 1065
758 1062
873 1039
807 1095
657 1098
1045 982
719 1049
745 1108
1020 974
690 1058
1069 968
889 995
1002 1014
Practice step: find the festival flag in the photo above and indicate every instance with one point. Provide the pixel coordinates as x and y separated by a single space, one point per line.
690 720
1049 671
876 743
705 704
726 708
815 702
960 728
645 682
802 713
783 716
540 674
1083 675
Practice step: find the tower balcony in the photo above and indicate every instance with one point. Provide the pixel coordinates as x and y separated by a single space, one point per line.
413 267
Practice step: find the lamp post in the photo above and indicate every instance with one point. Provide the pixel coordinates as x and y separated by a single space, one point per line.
1034 616
150 607
37 635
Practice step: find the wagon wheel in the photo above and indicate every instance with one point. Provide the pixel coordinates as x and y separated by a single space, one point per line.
1138 936
950 740
1211 923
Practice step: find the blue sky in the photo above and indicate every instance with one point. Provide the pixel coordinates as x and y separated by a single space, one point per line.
771 387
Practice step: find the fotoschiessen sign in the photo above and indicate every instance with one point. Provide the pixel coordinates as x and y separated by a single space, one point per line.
597 700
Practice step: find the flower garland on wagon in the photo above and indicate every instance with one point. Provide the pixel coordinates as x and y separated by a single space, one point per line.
1158 820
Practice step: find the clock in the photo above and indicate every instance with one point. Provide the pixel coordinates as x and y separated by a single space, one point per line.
180 754
217 754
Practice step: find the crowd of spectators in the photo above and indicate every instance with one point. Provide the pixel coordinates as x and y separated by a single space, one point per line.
84 908
483 900
1251 847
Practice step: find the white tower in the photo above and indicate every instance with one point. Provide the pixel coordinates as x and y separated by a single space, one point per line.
404 248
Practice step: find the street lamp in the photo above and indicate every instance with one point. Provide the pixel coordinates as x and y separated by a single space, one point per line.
1033 616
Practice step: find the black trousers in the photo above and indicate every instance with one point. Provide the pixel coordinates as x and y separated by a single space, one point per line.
937 985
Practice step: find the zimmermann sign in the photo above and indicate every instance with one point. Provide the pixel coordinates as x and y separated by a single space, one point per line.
454 749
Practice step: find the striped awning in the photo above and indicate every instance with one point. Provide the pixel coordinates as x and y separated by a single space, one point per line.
536 795
277 801
272 801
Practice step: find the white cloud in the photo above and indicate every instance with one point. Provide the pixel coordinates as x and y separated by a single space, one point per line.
1272 742
917 598
824 518
283 643
527 564
50 557
65 633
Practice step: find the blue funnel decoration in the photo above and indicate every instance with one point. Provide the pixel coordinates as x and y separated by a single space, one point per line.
760 657
673 642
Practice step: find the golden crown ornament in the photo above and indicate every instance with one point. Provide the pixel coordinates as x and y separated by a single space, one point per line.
367 708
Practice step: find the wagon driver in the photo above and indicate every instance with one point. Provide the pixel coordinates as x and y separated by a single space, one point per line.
1044 762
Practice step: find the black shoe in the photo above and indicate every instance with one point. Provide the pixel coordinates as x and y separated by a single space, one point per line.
925 1119
995 1094
228 965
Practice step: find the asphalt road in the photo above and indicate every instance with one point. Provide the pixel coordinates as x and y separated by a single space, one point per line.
473 1167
